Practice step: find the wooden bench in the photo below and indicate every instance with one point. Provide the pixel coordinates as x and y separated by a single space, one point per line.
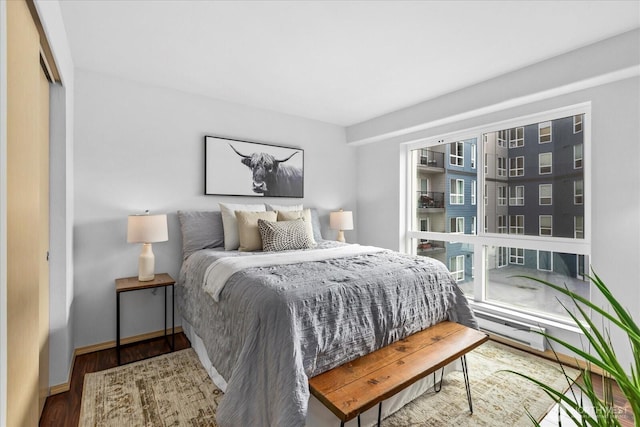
350 389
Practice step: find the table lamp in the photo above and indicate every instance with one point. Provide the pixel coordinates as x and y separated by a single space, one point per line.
146 229
341 220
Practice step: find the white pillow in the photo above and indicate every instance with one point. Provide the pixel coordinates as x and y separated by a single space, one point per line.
230 224
283 208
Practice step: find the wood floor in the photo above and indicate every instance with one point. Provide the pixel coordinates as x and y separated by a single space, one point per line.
64 409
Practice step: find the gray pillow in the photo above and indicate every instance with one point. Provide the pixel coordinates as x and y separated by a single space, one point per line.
200 230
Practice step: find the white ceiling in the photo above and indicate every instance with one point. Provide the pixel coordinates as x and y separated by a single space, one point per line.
341 62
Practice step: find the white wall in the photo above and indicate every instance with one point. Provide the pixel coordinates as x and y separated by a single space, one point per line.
141 147
615 145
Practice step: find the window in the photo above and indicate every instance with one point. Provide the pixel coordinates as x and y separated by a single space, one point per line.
502 138
577 123
578 192
456 267
516 195
457 225
473 192
502 224
456 196
503 257
502 195
486 195
516 166
456 153
545 161
546 225
516 224
544 132
516 256
518 234
545 194
578 227
502 166
516 137
473 156
577 156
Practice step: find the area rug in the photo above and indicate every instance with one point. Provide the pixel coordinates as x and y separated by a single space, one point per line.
175 390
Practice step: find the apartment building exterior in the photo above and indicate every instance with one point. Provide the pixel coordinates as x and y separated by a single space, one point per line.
533 185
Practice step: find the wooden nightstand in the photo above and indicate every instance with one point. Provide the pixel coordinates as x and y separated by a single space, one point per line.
128 284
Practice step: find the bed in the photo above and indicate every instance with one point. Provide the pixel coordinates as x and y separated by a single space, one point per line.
265 322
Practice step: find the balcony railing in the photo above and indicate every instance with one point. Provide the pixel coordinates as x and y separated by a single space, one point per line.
430 199
434 159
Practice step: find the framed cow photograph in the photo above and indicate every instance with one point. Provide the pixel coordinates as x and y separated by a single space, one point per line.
242 168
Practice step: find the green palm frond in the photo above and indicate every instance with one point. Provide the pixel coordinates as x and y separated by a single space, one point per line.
602 355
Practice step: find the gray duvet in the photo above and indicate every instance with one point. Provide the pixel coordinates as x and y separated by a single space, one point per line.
274 327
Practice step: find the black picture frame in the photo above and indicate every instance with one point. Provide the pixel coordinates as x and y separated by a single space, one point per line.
234 167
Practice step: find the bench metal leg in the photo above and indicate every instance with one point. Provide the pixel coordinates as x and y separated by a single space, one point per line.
439 384
466 381
379 413
358 420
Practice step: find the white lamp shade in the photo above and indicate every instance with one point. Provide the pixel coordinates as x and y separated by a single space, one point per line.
147 229
341 220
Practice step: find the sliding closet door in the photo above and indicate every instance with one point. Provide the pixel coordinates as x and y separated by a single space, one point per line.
43 255
27 218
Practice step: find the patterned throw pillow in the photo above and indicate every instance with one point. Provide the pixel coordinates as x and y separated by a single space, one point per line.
284 235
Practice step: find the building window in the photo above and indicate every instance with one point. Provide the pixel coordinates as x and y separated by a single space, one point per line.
503 256
578 192
486 195
486 163
544 132
456 153
516 256
516 195
577 123
516 224
502 224
545 162
456 196
486 225
545 225
473 225
578 227
456 267
473 192
502 195
577 156
516 166
457 225
502 166
545 194
516 137
502 138
473 156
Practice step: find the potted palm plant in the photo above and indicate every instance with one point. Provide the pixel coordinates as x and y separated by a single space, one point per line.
602 356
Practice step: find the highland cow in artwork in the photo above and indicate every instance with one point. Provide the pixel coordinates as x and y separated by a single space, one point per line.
271 177
243 168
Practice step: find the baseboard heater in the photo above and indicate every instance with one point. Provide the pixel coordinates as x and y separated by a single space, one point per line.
515 330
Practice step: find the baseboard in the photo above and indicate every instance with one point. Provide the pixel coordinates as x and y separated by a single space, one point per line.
61 388
548 354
